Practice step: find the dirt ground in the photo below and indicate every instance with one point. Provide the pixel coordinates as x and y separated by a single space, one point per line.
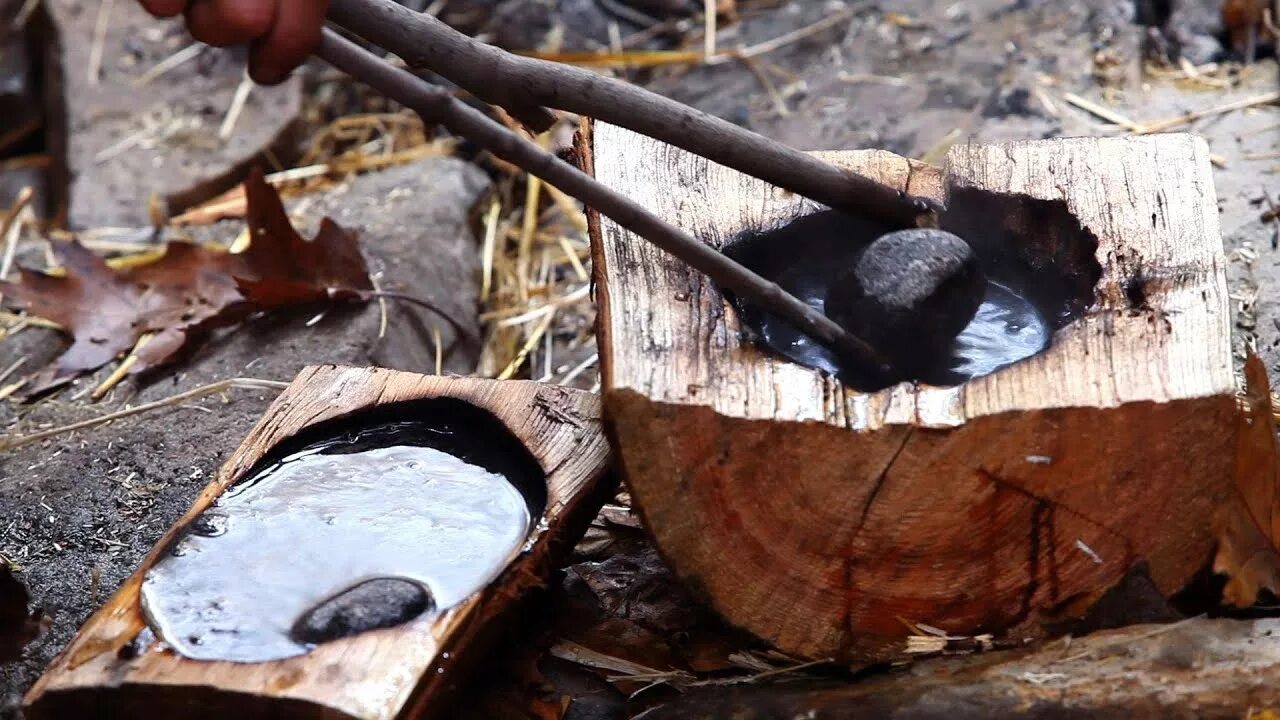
912 76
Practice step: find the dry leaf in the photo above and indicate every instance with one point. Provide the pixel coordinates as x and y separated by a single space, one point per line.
281 268
1249 527
107 311
18 626
190 289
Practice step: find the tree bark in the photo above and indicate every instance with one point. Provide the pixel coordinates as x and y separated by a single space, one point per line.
1197 669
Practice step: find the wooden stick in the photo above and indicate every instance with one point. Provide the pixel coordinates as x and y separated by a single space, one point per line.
510 80
1158 126
10 229
709 31
216 387
237 106
189 52
782 41
122 370
7 225
1194 115
94 69
1105 113
437 105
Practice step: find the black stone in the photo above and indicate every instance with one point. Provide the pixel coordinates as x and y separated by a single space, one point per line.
371 605
909 294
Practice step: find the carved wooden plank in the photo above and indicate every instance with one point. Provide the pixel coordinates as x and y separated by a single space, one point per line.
399 672
827 520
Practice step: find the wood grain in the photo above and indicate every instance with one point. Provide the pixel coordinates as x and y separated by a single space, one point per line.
401 672
827 521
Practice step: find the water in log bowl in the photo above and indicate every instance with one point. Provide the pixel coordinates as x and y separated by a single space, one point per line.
835 522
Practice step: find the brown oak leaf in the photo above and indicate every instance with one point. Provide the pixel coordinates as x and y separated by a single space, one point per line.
106 311
1249 526
190 289
18 625
288 269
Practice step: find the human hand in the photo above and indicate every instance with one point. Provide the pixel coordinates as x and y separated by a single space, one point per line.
282 33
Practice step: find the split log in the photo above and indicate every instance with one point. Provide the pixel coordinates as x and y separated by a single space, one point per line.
832 522
1199 669
116 667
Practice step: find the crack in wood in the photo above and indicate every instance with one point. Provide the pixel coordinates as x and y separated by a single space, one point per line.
849 590
880 481
557 406
1010 485
1041 540
1043 520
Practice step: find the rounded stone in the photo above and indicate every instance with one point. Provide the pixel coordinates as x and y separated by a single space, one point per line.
909 294
371 605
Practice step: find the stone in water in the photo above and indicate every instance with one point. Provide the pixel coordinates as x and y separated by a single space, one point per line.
372 605
909 295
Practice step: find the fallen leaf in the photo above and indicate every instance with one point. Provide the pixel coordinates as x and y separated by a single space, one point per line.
106 311
189 289
1249 527
281 268
18 625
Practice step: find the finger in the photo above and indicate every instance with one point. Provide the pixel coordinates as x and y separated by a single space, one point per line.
230 22
164 8
292 38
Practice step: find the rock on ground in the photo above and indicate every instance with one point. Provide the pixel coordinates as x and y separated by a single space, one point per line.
79 512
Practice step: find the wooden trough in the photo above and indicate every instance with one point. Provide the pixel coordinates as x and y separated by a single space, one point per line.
835 523
116 667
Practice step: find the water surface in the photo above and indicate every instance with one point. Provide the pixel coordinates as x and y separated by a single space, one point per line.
319 523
